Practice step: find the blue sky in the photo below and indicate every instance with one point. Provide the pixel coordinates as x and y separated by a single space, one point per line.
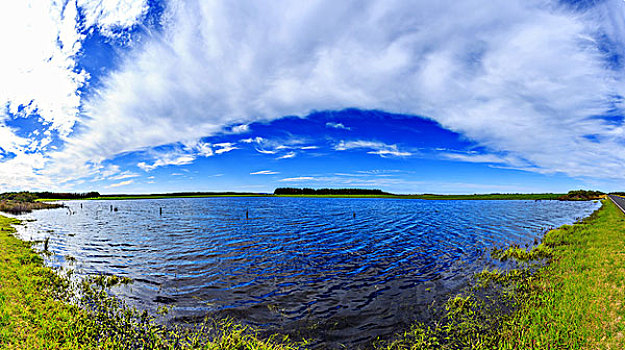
406 96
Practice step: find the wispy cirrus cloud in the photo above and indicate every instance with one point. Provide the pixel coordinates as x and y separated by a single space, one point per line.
337 126
512 69
378 148
124 175
119 184
288 155
265 172
299 179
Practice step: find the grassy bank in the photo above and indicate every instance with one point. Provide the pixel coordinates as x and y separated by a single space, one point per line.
576 302
40 310
573 302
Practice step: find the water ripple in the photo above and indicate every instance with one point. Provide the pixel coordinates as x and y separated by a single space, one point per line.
337 270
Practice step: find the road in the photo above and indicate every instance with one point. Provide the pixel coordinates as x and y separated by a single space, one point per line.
619 201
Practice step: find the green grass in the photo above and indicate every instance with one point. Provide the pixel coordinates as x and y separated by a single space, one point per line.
573 302
36 312
576 302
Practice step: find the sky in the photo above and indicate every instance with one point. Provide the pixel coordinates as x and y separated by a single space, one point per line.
408 96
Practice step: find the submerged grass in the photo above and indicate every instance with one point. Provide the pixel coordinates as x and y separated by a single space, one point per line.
575 301
39 309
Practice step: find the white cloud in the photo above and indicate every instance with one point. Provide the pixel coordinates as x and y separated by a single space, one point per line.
124 175
378 148
112 15
38 66
483 158
287 156
240 129
224 147
520 77
165 159
41 42
264 151
513 68
265 172
337 126
301 178
257 139
123 183
309 147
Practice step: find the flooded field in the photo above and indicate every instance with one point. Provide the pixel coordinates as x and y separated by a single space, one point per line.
335 270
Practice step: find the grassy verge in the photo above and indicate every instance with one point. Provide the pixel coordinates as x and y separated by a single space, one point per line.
573 302
40 310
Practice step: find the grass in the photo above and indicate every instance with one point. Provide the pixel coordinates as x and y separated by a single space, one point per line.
573 302
39 309
20 207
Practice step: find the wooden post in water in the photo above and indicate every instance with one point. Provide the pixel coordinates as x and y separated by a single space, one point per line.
354 215
161 211
247 215
111 208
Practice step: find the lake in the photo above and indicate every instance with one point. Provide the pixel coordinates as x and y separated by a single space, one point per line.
335 270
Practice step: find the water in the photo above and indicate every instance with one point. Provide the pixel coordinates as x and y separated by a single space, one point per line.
337 271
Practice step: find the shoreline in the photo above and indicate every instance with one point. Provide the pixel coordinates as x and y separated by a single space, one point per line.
557 245
565 293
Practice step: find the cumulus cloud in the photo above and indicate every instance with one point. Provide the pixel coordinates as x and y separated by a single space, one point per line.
38 66
112 17
41 43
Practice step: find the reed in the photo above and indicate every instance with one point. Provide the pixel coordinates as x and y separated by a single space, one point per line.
21 207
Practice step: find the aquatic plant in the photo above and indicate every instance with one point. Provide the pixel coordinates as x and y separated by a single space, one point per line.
40 308
572 302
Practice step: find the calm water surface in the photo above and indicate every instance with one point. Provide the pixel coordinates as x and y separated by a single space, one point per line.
305 266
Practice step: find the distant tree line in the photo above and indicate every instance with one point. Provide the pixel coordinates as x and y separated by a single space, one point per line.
61 195
327 191
26 196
